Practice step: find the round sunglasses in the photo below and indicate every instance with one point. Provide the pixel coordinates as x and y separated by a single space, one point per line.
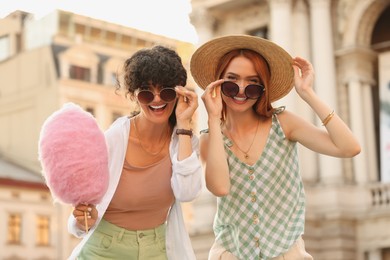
251 91
146 96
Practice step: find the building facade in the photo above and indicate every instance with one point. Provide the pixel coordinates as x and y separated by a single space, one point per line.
348 42
65 57
62 57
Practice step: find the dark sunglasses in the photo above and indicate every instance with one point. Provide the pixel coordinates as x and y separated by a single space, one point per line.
147 96
252 91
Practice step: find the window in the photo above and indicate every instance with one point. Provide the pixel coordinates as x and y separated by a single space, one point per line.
42 238
18 42
4 48
260 32
14 228
386 253
114 79
90 110
80 73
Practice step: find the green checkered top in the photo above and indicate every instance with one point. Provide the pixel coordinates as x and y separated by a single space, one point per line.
264 213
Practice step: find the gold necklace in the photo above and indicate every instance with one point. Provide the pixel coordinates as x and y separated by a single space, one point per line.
246 156
140 143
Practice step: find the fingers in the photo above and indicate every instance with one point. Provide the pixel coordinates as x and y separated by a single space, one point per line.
187 96
302 64
213 88
85 215
85 223
82 210
297 72
300 60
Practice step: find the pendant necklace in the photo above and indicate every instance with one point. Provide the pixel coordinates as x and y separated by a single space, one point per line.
246 156
140 143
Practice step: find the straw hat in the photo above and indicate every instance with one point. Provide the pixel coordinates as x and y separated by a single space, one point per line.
205 59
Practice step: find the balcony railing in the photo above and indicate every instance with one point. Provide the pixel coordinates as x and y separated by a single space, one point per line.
380 195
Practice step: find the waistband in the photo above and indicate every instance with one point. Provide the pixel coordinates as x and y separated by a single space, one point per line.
111 229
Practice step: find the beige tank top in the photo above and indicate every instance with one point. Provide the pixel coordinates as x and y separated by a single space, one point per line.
143 196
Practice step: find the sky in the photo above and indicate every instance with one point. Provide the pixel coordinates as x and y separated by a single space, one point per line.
164 17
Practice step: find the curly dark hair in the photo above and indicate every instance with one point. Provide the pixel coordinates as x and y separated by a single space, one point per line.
155 66
158 65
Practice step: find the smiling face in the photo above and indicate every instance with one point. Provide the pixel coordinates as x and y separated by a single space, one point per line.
245 67
155 69
156 102
242 72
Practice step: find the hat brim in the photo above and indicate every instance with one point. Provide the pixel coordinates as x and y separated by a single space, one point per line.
204 61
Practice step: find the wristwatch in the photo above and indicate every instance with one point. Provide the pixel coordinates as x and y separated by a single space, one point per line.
184 132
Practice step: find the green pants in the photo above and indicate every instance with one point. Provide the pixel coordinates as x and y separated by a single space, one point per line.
112 242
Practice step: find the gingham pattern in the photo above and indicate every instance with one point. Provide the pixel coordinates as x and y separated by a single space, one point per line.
264 214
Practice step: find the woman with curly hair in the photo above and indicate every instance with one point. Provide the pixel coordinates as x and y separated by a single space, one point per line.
154 165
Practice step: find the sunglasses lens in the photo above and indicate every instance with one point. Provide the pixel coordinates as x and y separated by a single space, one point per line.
145 96
230 89
254 91
168 94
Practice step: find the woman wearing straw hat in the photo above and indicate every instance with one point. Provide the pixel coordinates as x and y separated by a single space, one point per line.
261 201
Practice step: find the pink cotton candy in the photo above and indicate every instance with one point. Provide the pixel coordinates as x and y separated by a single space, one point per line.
74 158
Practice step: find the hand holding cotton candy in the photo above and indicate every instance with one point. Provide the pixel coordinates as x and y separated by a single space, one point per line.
74 157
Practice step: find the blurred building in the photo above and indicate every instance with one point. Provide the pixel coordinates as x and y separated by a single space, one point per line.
68 57
348 42
62 57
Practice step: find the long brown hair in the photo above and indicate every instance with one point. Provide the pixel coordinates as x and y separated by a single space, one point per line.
262 106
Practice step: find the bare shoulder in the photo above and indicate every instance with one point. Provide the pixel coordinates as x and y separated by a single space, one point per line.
285 118
286 115
290 122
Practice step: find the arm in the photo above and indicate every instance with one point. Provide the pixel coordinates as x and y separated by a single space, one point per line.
337 140
186 106
212 150
187 171
186 178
